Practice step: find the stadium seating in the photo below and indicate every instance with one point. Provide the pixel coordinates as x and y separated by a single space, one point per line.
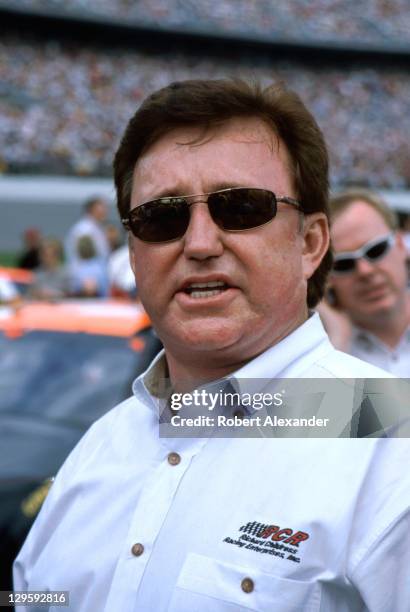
63 107
342 20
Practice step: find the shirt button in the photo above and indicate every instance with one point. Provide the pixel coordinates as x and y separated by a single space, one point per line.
247 585
174 459
137 550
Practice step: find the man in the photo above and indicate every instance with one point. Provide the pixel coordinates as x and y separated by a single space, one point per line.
369 281
51 281
226 270
89 230
90 224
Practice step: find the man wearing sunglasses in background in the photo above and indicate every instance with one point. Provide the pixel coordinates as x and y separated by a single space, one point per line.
369 282
223 187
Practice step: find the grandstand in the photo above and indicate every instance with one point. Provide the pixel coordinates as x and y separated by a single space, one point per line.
376 22
64 102
63 108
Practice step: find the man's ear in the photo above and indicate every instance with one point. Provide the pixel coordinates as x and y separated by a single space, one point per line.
315 242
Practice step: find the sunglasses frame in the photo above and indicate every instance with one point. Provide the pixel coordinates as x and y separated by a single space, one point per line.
168 199
362 253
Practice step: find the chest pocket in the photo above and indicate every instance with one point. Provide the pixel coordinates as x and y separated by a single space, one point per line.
206 585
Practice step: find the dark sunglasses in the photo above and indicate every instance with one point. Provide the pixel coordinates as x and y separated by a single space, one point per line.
344 263
234 210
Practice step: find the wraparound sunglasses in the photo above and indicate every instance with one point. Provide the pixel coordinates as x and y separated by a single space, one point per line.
234 210
344 263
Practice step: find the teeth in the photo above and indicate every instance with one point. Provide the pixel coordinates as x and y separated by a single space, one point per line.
202 294
204 285
203 290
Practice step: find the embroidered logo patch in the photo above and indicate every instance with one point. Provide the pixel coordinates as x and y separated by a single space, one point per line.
270 539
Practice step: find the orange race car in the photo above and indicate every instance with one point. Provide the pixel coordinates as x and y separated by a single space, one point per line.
62 366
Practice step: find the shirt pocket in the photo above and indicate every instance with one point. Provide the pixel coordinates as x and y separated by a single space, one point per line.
207 585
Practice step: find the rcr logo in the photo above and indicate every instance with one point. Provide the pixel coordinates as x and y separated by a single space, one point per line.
275 533
287 536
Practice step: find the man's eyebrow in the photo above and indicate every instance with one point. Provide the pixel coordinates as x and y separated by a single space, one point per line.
178 192
166 192
225 185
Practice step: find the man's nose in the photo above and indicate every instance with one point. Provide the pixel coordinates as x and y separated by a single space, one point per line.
363 267
203 238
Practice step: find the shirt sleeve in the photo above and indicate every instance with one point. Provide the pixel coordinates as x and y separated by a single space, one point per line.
382 576
57 502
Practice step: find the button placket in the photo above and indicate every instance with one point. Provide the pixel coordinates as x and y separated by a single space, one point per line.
158 491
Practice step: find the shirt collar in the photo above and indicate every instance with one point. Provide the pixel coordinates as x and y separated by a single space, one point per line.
367 340
152 384
286 359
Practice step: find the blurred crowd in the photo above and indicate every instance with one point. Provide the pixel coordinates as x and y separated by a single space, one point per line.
93 259
376 21
63 108
92 262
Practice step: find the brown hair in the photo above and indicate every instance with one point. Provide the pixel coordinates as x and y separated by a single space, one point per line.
206 103
86 247
342 200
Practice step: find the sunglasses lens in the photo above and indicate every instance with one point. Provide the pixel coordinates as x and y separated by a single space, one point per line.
373 253
241 209
378 250
233 210
344 265
160 221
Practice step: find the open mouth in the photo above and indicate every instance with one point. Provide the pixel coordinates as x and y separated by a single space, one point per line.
204 290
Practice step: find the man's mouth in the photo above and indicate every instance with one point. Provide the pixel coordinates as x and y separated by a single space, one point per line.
373 292
204 290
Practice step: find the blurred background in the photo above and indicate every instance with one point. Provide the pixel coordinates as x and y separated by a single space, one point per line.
72 72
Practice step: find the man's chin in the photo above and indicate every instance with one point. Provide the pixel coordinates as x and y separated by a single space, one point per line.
203 336
211 340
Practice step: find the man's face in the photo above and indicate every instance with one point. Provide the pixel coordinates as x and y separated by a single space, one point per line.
265 269
376 289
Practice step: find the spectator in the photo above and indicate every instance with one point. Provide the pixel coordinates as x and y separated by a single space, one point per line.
114 236
29 259
51 280
368 284
91 225
88 272
121 276
88 257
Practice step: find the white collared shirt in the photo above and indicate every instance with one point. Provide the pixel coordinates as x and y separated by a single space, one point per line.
86 226
138 523
366 346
